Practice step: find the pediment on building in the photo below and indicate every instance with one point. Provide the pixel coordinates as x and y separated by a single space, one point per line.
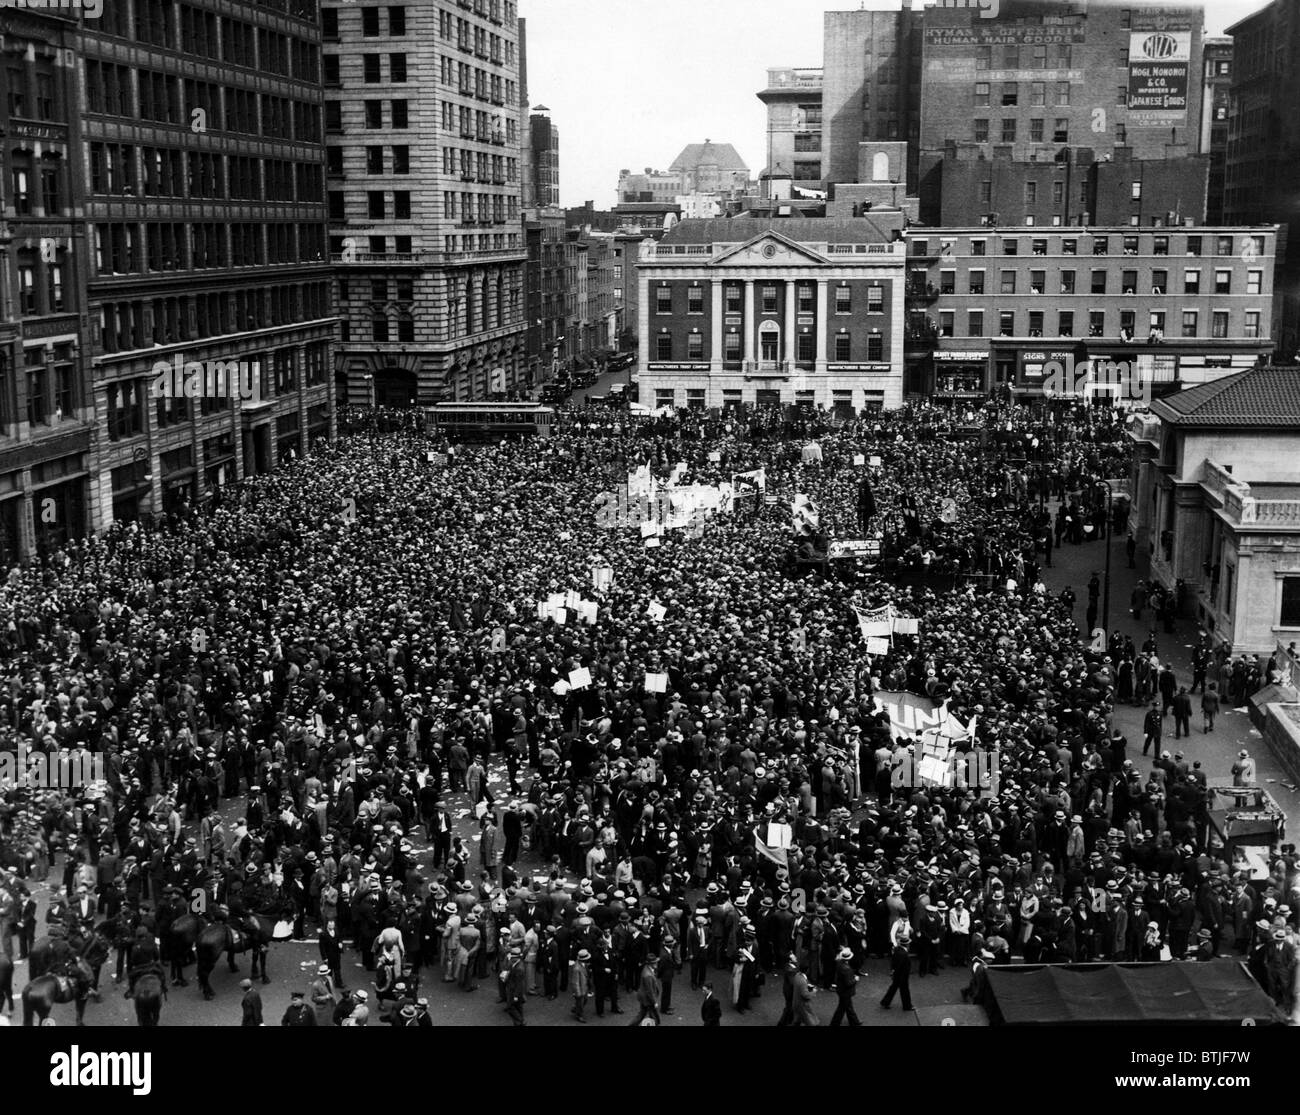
770 249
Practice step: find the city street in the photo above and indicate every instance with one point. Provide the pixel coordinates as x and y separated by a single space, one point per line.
1217 751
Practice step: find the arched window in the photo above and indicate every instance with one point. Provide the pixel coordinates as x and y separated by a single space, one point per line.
880 167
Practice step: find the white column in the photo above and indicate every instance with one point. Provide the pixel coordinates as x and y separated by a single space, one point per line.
791 322
749 321
715 342
823 324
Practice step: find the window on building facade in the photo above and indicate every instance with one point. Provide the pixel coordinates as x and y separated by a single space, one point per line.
875 346
664 346
1251 328
842 347
1065 323
1289 606
695 300
843 300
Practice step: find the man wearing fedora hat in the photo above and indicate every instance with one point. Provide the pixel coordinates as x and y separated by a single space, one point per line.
846 986
322 995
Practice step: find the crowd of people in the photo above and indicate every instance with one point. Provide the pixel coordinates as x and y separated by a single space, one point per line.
350 650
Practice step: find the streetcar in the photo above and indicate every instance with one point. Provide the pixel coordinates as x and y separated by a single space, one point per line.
491 421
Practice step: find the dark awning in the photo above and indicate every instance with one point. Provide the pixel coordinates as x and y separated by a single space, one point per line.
1172 994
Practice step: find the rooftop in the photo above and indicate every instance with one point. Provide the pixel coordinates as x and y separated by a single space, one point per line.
1258 398
722 154
804 230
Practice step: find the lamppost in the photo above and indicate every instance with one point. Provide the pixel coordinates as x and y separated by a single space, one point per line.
1105 601
138 455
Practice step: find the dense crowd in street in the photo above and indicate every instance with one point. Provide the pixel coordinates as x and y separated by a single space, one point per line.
349 647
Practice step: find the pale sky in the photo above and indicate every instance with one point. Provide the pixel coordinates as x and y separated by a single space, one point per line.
629 83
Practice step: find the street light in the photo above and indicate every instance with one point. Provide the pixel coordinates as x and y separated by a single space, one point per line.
138 455
1105 603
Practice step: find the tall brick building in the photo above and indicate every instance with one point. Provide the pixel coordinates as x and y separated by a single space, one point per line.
205 225
47 413
1182 305
871 83
1216 92
1262 168
765 312
423 129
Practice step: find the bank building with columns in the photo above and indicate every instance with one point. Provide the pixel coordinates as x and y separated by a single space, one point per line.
774 310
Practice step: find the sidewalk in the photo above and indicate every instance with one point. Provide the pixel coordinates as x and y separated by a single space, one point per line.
1073 566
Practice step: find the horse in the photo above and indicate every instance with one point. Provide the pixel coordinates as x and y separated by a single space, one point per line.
41 995
177 944
252 934
150 990
6 983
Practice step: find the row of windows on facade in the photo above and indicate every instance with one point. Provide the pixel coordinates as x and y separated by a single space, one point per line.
733 397
202 106
450 26
204 34
121 169
399 326
479 166
1035 324
769 299
1041 56
125 249
459 77
843 344
132 324
474 124
474 306
50 382
276 375
1155 280
402 245
1037 130
1242 245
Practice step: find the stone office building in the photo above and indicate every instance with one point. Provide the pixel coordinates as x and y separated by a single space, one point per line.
1217 501
765 312
422 118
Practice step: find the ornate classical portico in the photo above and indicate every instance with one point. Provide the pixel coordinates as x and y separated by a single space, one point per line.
785 311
